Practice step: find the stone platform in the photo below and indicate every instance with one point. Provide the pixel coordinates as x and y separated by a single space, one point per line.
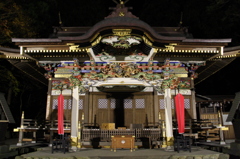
42 151
105 153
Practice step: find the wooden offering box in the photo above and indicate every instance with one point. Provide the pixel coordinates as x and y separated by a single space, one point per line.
126 141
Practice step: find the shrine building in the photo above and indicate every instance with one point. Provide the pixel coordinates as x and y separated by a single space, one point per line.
114 75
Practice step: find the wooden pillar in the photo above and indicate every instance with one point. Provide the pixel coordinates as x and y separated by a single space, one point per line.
74 118
193 102
85 108
48 105
91 108
156 106
168 120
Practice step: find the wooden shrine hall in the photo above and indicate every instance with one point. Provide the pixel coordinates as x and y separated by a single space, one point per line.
120 76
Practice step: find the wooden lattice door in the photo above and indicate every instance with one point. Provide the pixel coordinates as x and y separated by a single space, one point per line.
121 109
105 110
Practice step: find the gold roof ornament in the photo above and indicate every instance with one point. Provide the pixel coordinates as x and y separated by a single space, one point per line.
121 14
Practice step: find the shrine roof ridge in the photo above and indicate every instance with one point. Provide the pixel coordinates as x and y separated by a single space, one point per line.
122 22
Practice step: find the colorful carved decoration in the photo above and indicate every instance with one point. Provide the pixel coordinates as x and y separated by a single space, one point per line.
148 76
69 83
123 42
60 84
105 57
160 79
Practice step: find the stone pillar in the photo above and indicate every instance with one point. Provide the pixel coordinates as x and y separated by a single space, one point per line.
74 118
20 138
168 120
222 140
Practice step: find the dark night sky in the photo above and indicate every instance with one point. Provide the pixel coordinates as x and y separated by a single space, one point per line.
224 82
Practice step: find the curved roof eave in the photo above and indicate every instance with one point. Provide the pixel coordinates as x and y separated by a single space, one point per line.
9 50
208 40
122 22
31 40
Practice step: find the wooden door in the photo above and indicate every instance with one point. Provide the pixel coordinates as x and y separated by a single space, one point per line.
122 108
135 111
104 109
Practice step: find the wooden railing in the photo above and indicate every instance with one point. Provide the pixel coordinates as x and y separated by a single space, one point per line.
105 135
89 132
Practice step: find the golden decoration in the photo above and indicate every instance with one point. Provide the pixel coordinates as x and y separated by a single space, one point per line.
72 46
121 14
145 39
96 41
148 36
94 37
122 32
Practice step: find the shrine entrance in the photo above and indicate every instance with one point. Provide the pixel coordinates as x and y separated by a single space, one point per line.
122 108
